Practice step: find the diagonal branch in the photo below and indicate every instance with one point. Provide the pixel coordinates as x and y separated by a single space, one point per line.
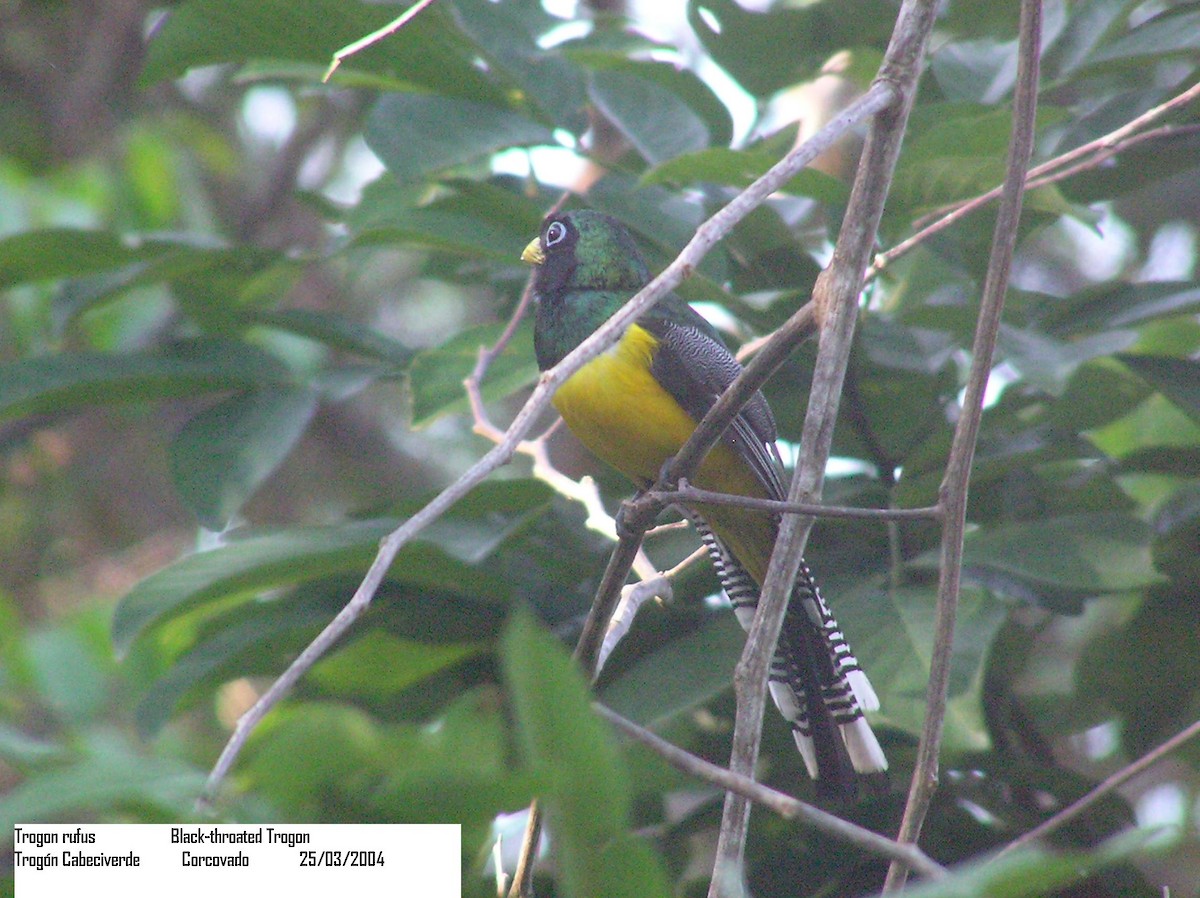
784 805
956 483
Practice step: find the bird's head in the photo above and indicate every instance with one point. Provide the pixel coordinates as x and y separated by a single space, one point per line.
584 250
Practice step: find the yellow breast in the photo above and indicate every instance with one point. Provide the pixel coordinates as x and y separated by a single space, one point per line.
624 416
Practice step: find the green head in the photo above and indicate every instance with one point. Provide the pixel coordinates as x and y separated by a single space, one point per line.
585 250
587 266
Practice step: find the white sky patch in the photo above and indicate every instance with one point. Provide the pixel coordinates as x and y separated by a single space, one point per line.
1161 805
1172 254
269 114
359 168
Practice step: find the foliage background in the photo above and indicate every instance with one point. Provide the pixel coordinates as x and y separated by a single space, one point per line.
236 307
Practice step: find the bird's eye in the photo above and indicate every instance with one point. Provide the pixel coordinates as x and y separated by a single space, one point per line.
555 233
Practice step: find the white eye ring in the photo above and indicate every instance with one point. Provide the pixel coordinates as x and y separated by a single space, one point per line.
555 233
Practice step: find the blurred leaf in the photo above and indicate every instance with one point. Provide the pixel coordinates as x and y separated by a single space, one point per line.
1034 871
335 331
1118 304
19 748
1047 363
739 168
416 134
109 773
468 218
226 452
383 664
508 35
892 636
1172 32
1088 554
772 50
1177 530
63 382
682 674
457 770
205 32
61 252
1177 379
436 375
658 124
448 551
571 753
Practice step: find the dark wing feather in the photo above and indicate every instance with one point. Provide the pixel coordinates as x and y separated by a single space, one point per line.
695 367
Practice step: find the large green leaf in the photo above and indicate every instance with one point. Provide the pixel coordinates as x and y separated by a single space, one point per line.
335 331
1035 872
658 124
892 636
769 51
436 375
226 452
1088 554
449 551
416 134
108 773
1177 379
507 36
682 674
59 383
468 218
584 785
63 252
426 52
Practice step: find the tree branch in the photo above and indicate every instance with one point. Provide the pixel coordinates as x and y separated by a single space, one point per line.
686 493
1084 157
784 805
1122 776
956 483
836 299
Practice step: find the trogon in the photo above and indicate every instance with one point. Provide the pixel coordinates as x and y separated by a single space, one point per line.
635 405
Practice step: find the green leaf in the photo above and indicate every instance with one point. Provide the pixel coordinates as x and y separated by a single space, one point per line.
426 52
892 636
739 168
448 552
1047 363
1171 33
225 453
64 382
62 252
1088 554
1177 379
572 754
470 218
109 774
436 375
658 124
507 35
335 331
417 134
682 674
1036 872
768 51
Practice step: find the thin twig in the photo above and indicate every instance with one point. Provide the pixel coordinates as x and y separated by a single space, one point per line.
1122 776
1092 154
784 805
956 482
374 37
836 298
686 493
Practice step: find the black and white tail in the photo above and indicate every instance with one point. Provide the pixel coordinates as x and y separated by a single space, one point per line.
816 682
